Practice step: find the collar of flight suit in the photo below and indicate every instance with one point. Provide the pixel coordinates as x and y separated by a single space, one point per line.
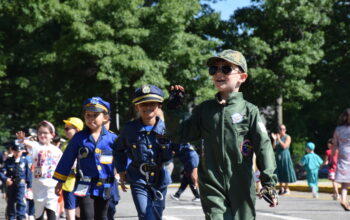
234 97
103 132
158 128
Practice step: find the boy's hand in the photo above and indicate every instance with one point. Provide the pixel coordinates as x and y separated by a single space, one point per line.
177 94
269 194
9 182
122 181
58 188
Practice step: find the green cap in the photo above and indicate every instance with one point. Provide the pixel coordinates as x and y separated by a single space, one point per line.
231 56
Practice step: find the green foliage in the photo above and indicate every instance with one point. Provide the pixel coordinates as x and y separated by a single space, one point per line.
298 149
284 41
54 54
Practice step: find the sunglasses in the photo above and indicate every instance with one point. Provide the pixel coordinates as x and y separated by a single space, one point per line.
224 69
67 128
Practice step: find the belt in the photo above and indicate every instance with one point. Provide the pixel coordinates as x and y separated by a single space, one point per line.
101 181
17 181
146 167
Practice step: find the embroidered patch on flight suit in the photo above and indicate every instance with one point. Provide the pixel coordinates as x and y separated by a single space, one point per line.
237 117
246 148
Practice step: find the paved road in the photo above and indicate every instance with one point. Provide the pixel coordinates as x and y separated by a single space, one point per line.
297 206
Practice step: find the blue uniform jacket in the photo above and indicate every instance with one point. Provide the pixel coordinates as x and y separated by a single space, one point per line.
18 172
30 171
94 160
143 146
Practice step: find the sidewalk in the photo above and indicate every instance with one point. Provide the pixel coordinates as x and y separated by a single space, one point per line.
325 186
301 185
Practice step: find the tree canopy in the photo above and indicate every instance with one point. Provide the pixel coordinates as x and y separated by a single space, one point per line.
54 54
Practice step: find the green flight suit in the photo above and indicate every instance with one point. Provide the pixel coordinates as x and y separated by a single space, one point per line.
231 134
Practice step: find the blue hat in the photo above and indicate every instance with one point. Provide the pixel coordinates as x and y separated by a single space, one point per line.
310 146
148 93
16 146
96 104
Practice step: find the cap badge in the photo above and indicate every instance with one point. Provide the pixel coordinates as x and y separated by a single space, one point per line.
146 89
94 100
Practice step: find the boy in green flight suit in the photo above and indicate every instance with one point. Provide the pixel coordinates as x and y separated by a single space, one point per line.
232 131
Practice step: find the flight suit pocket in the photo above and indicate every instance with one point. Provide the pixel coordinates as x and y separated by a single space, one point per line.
242 129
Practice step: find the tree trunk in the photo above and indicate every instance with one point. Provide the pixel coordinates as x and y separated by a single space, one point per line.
279 110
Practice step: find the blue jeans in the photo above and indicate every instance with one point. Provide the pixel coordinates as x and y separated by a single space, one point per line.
16 207
147 207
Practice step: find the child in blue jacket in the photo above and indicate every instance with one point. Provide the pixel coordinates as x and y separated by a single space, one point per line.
312 163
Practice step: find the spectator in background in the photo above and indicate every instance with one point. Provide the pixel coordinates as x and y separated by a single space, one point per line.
312 163
341 141
331 161
285 170
186 180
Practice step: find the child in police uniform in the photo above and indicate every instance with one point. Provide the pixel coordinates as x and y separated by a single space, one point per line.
91 147
232 131
16 175
312 163
142 140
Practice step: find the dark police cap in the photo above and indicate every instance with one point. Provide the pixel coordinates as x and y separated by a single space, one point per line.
16 146
96 104
148 93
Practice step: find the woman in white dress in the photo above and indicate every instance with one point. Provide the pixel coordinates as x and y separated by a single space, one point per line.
341 141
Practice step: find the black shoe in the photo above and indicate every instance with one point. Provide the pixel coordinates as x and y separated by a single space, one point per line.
175 197
196 199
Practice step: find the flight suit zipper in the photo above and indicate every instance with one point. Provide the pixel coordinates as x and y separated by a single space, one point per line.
223 145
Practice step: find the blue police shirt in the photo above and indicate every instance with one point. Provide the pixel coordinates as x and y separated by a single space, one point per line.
144 144
94 160
19 171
